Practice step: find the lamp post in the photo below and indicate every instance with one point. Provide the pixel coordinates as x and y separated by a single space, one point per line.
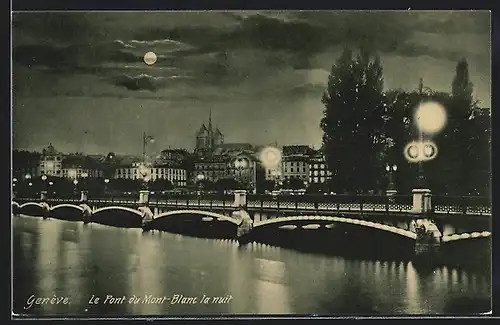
240 164
43 193
390 170
430 118
200 178
144 172
75 182
106 182
14 192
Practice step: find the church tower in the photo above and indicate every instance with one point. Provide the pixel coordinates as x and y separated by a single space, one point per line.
208 138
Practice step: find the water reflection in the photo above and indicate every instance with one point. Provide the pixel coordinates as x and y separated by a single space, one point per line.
54 257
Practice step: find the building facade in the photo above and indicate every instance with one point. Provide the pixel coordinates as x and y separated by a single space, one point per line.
295 162
318 169
176 175
51 162
230 162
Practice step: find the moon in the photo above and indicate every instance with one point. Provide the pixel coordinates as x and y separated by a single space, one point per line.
150 58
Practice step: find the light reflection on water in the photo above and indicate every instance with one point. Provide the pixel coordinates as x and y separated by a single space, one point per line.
76 260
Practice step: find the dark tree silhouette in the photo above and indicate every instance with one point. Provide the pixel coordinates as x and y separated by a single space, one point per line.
353 121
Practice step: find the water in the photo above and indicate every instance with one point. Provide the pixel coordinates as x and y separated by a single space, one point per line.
77 261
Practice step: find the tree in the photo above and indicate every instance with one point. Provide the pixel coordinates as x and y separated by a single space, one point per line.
226 184
161 184
266 185
294 183
353 121
459 144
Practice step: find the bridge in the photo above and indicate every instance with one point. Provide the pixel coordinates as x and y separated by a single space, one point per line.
411 217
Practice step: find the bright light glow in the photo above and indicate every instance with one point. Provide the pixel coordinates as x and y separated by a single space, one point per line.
85 175
14 179
419 151
72 173
28 176
430 117
387 168
44 177
106 181
144 171
428 151
75 181
150 58
200 177
241 163
394 168
30 184
51 183
270 157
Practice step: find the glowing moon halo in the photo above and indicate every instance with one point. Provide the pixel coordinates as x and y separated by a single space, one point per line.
150 58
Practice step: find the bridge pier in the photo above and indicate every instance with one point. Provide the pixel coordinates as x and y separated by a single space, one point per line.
421 201
143 197
240 198
390 195
428 238
45 206
84 196
245 222
147 217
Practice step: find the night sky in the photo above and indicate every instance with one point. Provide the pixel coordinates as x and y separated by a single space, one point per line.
80 81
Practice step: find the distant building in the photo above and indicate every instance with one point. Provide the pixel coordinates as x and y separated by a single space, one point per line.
77 166
233 161
173 173
212 168
51 162
176 158
318 169
295 162
208 138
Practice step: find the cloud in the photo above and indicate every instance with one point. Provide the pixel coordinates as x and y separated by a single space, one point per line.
140 82
231 50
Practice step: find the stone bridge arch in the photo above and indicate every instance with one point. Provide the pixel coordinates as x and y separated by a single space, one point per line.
40 205
66 205
214 215
122 217
283 221
465 236
66 211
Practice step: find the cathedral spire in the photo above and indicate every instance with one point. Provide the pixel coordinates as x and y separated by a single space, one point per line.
210 120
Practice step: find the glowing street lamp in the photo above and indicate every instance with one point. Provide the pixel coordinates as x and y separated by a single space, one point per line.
106 182
44 178
200 178
27 176
430 118
390 170
240 164
14 180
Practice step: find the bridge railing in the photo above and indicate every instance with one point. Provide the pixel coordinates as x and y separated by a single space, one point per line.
339 202
472 205
452 205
